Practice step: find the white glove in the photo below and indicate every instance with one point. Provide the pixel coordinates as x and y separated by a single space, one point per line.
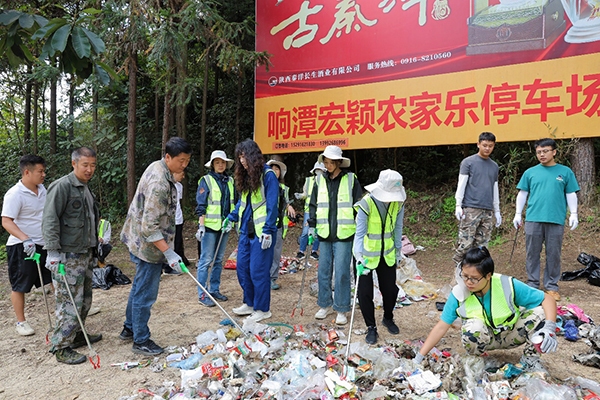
399 256
29 246
299 196
418 358
227 225
517 220
173 259
53 259
498 218
265 241
459 213
573 222
312 232
200 232
548 332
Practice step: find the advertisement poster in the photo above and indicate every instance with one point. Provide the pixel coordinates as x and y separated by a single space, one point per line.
392 73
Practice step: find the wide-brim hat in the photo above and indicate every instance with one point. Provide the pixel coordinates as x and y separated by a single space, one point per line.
334 153
388 187
282 167
219 154
318 166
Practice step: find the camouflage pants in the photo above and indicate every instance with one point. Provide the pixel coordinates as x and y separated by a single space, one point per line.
477 337
475 229
78 273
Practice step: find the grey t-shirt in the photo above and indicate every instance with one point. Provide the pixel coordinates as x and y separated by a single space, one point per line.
482 173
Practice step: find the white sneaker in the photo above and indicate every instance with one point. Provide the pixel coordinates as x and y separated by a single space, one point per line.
244 309
323 313
258 316
341 319
24 329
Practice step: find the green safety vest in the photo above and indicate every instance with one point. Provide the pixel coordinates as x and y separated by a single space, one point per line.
213 218
380 236
310 184
346 226
101 228
259 205
504 311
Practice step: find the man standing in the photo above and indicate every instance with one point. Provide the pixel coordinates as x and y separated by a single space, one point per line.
550 188
149 233
477 197
70 229
22 218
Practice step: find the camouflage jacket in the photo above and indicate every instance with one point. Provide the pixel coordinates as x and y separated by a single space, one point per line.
151 215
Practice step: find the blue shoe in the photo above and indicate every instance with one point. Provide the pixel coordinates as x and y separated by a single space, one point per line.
206 301
219 296
274 285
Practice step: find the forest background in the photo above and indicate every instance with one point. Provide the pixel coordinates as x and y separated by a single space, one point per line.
124 76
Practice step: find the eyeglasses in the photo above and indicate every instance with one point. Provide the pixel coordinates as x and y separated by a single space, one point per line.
474 281
540 152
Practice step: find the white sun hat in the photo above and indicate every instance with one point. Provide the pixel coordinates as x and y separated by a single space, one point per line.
318 165
219 154
388 187
282 167
334 153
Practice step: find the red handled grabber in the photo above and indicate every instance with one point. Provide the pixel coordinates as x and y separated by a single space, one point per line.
93 357
36 259
299 303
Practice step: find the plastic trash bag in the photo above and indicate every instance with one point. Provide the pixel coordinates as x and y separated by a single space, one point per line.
571 331
104 278
591 263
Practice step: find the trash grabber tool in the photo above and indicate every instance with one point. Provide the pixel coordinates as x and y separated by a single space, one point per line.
514 246
187 271
308 251
36 258
93 357
352 315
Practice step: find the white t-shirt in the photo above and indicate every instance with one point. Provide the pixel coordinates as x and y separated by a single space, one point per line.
26 209
178 212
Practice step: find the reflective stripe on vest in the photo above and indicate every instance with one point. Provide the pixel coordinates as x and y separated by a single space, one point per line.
346 226
213 218
259 205
285 220
102 227
310 184
379 235
504 312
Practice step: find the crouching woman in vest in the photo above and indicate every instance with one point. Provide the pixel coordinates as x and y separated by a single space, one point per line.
215 199
378 247
497 311
257 212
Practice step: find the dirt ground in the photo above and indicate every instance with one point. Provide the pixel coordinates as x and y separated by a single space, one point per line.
28 371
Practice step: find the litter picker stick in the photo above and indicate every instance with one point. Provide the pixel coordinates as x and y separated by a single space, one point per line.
93 354
187 271
36 258
514 246
308 251
352 316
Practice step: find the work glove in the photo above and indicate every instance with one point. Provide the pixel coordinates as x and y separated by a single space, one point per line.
400 257
53 259
517 220
459 213
227 225
418 358
312 232
299 196
266 241
361 266
573 221
173 260
498 218
29 247
200 232
548 332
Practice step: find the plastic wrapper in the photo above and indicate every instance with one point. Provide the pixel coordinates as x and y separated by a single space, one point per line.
570 330
539 389
407 269
231 262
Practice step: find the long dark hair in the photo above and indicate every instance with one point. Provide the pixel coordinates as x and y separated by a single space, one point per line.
248 180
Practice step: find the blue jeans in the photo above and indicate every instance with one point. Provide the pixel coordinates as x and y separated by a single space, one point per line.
335 256
253 271
142 296
209 248
304 237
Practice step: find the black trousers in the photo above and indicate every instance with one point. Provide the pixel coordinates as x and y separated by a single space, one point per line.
179 244
386 276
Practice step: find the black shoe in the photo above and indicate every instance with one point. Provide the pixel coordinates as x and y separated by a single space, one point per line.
80 339
126 334
170 271
391 326
371 335
219 296
147 348
69 356
314 255
300 255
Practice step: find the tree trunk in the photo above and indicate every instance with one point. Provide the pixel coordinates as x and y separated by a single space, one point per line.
34 127
53 116
204 102
584 167
27 117
167 109
95 110
131 126
181 114
156 109
238 108
72 110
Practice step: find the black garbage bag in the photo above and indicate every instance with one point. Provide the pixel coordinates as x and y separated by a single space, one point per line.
591 263
594 278
104 278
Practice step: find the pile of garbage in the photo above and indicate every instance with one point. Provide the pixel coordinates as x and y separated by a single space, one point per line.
280 361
